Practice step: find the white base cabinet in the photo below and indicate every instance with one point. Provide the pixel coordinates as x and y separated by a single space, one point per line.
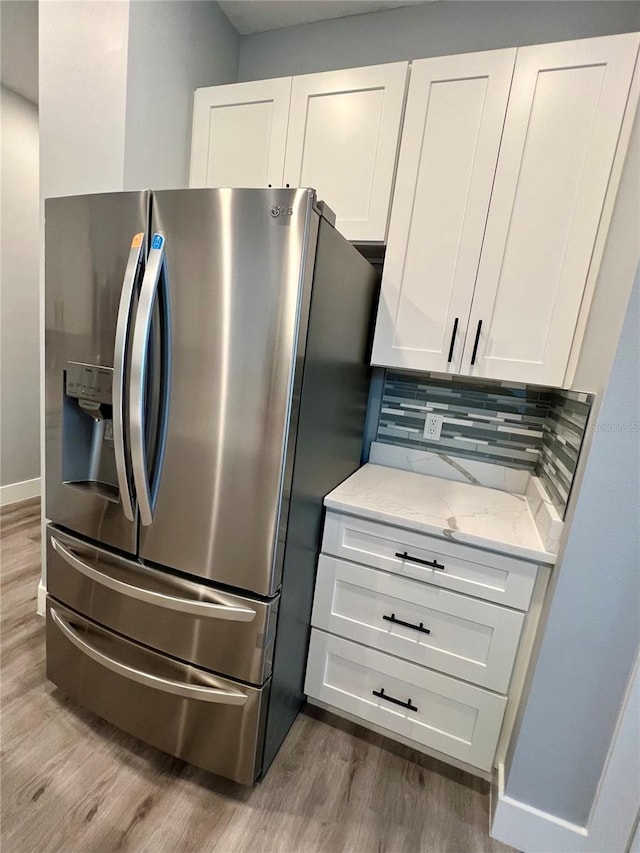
461 636
418 636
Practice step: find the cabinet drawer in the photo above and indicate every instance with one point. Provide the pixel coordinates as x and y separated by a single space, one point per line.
453 717
462 636
463 568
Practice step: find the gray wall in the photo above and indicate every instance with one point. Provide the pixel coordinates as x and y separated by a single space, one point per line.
174 47
83 78
19 53
19 302
593 628
615 277
116 90
432 29
589 642
19 354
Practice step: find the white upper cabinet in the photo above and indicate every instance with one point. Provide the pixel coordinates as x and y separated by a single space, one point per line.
454 120
344 128
501 185
565 112
340 131
506 160
240 134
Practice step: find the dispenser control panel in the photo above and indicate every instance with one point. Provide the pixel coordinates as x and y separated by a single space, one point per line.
89 382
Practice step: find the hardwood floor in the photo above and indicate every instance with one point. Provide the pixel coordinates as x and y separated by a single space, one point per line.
71 782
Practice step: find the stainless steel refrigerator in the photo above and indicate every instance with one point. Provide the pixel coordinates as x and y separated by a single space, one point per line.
206 386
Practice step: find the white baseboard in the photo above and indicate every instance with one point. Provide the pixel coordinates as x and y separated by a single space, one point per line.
42 598
15 492
614 812
532 830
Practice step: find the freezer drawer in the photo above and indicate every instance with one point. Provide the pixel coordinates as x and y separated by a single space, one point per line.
227 633
215 723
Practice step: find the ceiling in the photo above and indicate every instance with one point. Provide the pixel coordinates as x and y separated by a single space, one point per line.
19 28
256 16
19 47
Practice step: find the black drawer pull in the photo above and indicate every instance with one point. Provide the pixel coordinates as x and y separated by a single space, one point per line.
453 340
433 564
382 695
476 342
419 627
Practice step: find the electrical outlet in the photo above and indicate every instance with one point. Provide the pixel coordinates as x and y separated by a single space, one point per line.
432 427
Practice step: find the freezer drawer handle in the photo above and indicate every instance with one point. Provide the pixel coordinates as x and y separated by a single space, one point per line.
433 564
382 695
170 602
395 621
178 688
134 265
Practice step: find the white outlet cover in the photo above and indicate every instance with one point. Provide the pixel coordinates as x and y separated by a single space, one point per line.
432 427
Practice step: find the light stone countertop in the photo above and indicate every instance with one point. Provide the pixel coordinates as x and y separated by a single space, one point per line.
460 512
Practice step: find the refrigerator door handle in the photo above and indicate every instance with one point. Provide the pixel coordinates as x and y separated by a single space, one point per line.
136 259
168 685
230 612
154 284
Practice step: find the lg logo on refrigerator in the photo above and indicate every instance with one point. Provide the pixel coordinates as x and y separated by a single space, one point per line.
276 210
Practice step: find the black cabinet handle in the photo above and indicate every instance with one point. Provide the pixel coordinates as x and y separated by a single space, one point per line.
433 564
382 695
453 340
476 342
395 621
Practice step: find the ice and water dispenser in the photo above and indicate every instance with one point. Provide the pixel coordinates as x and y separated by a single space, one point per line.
88 451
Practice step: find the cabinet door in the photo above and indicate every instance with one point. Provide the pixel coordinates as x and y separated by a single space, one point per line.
565 111
240 134
455 115
343 136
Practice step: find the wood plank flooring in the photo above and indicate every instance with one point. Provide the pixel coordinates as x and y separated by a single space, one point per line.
71 782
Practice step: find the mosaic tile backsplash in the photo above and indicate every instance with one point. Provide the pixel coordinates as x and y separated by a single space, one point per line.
564 432
518 426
